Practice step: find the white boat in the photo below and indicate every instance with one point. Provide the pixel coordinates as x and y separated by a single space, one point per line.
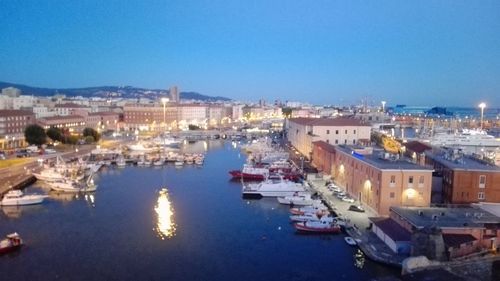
147 163
321 226
139 147
316 207
272 188
297 199
17 198
179 163
311 217
49 175
72 186
121 162
141 162
464 139
159 162
349 240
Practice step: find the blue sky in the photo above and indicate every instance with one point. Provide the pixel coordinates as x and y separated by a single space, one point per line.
411 52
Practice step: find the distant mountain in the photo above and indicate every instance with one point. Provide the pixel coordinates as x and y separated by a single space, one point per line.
108 91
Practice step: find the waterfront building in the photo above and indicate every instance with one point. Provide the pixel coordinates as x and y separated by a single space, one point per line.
465 179
149 117
379 180
73 123
193 114
12 125
439 233
302 132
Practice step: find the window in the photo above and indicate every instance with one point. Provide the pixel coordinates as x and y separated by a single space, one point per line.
354 131
410 180
393 179
480 196
353 141
421 181
327 141
482 181
336 141
346 132
345 141
327 132
392 195
336 132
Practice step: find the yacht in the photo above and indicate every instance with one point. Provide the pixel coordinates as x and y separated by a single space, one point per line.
272 188
17 198
465 138
297 200
139 147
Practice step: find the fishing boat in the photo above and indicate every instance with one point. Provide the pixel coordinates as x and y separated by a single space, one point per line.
321 226
17 198
11 243
250 172
316 207
297 199
312 217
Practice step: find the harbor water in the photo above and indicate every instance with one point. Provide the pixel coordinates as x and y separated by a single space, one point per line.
197 228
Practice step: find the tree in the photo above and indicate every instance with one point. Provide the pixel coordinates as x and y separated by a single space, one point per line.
55 134
91 132
34 134
287 111
89 139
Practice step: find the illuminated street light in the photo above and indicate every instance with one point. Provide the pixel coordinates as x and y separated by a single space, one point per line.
482 106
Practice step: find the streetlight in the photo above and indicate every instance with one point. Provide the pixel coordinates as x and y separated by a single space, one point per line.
383 106
482 106
164 101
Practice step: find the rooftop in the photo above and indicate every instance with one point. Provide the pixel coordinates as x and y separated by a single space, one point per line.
392 229
12 112
376 159
446 217
466 163
340 121
325 146
417 146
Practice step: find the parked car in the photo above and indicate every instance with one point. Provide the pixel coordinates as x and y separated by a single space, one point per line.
348 199
22 153
356 208
341 195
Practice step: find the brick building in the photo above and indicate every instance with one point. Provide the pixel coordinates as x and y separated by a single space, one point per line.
12 125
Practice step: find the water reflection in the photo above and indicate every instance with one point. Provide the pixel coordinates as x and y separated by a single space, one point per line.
15 212
165 225
359 259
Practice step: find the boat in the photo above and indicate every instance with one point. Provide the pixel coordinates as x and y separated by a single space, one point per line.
349 240
72 186
250 172
121 162
312 217
159 162
139 147
303 199
11 243
321 226
17 198
49 175
309 209
179 163
272 188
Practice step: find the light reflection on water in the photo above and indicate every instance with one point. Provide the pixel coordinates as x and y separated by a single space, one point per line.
165 225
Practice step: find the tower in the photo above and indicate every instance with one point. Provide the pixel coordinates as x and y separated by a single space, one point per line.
174 94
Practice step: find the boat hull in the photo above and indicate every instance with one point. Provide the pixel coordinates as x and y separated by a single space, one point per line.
302 228
22 202
9 249
240 175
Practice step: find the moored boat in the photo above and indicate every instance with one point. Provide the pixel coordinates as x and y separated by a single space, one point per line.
322 226
17 198
297 199
272 188
11 243
349 240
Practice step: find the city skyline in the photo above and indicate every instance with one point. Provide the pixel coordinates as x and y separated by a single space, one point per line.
436 54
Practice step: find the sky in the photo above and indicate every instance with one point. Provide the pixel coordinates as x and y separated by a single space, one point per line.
443 53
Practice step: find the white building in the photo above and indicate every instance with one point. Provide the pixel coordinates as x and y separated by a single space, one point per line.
302 132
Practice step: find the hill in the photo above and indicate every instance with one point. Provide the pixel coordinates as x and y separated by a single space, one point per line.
108 91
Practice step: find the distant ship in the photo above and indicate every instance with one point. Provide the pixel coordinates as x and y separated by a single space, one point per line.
466 138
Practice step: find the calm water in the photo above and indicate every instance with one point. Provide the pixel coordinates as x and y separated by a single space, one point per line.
125 231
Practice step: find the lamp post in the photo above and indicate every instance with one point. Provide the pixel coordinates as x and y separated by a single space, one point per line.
482 106
383 106
164 101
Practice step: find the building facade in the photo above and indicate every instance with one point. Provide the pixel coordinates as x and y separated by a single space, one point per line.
465 179
378 182
302 132
12 125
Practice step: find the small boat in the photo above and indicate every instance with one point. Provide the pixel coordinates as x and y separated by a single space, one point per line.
297 199
147 163
322 226
17 198
309 209
121 162
349 240
311 217
159 162
11 243
179 163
